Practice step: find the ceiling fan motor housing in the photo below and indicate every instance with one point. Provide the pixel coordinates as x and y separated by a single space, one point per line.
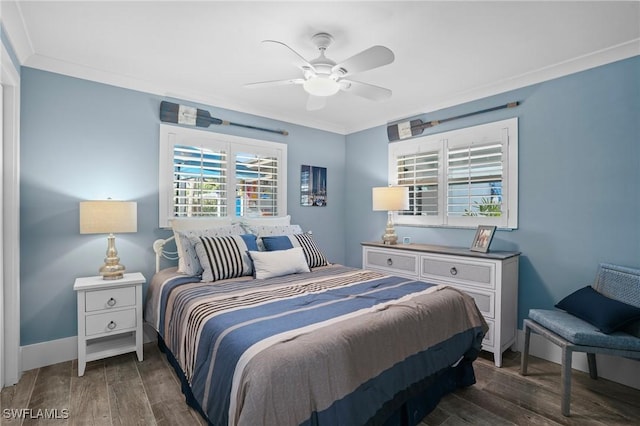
322 40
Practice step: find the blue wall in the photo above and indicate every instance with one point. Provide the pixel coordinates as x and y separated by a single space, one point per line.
579 180
579 173
83 140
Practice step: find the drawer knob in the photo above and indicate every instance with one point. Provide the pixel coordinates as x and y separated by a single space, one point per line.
453 271
390 262
111 302
111 325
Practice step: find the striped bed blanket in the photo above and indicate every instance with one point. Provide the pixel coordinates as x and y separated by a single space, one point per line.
327 347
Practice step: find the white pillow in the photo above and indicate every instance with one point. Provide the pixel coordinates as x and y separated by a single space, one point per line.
269 264
181 224
265 220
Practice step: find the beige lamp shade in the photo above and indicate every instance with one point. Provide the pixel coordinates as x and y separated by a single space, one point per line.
108 217
391 198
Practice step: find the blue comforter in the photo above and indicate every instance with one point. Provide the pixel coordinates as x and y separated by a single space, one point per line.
327 347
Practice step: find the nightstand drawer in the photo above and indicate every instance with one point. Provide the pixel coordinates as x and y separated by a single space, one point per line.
466 272
110 322
110 298
393 262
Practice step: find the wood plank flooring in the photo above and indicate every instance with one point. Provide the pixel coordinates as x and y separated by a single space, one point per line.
122 391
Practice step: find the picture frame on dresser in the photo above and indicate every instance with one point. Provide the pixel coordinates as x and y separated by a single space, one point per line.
482 239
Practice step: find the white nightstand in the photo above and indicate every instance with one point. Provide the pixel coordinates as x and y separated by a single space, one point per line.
109 317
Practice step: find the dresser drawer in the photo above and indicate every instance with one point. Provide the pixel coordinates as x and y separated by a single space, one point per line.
478 274
110 298
109 322
488 341
402 263
485 301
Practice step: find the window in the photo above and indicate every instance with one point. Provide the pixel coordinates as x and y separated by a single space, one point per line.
464 177
210 174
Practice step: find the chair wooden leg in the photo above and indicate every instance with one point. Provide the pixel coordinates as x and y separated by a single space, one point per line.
593 368
565 384
524 357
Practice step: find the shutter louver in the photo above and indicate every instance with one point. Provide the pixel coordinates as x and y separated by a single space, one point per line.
419 172
474 176
199 182
256 185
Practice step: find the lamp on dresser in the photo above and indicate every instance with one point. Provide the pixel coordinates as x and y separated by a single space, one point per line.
109 217
390 199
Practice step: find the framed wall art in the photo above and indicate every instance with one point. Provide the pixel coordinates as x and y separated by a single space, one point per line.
313 186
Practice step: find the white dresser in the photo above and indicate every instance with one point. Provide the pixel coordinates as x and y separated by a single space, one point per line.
490 278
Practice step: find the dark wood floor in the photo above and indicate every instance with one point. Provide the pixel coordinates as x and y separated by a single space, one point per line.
122 391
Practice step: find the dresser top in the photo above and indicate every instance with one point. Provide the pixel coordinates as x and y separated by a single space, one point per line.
457 251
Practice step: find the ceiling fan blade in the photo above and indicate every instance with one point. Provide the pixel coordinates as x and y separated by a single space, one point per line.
315 103
368 59
369 91
274 83
300 61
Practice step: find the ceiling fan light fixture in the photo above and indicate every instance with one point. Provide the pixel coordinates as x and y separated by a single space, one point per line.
321 86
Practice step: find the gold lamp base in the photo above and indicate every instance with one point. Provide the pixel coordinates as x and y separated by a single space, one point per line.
390 237
112 269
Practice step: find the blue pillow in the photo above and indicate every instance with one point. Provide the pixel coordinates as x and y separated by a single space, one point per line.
312 253
603 312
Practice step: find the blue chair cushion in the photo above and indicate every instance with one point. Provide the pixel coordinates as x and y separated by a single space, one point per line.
605 313
581 332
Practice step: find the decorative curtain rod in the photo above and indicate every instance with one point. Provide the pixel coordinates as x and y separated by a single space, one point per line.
408 129
190 116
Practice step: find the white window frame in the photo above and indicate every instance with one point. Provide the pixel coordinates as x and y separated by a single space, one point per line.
171 136
505 131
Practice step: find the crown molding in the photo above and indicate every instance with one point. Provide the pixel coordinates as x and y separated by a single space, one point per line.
595 59
16 30
571 66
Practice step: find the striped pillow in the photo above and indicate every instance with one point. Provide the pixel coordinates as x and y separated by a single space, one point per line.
188 262
225 257
312 253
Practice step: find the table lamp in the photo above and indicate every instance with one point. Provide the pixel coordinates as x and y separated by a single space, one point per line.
390 198
109 217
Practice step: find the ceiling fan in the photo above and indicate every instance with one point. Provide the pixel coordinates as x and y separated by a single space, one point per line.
322 77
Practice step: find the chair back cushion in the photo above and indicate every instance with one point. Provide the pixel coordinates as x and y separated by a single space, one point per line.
623 284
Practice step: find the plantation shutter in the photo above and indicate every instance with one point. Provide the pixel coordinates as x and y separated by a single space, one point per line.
256 184
474 180
419 172
199 181
216 175
460 178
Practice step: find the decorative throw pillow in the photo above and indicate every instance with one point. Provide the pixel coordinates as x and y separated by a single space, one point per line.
225 257
269 264
603 312
266 230
312 253
181 224
188 262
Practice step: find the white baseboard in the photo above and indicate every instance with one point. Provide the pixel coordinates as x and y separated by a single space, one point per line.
60 350
617 369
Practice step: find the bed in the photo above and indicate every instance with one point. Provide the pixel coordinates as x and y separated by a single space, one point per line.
329 345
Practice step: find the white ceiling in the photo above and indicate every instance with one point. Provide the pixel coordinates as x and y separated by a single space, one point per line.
445 52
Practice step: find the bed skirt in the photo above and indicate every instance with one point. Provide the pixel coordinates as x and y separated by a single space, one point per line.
407 408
